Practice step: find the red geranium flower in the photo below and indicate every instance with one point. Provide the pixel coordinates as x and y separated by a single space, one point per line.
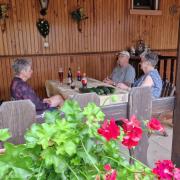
127 141
133 132
107 167
155 124
111 176
164 169
176 173
132 137
109 130
130 124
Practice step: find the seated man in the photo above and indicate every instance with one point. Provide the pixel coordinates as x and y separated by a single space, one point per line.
21 90
123 73
151 77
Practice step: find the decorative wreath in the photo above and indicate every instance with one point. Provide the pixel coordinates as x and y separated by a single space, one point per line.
43 27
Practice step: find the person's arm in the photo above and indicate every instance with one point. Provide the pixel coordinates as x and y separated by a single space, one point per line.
129 77
28 93
54 101
148 82
123 86
108 79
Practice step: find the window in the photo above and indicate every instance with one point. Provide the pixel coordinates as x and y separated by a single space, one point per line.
145 7
146 4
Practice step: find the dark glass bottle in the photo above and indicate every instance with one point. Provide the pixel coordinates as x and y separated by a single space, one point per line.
78 74
70 78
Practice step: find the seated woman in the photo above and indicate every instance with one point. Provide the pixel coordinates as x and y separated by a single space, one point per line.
151 77
21 90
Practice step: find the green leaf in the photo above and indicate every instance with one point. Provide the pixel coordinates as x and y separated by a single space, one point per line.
50 157
93 113
72 110
114 98
11 161
40 134
52 116
4 134
70 147
89 144
87 159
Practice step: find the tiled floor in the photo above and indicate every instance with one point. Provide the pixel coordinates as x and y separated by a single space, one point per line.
159 147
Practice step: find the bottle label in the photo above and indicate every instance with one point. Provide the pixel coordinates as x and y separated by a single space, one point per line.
69 80
78 75
84 82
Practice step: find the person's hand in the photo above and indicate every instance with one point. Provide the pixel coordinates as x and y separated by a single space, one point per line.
47 100
54 101
122 86
108 81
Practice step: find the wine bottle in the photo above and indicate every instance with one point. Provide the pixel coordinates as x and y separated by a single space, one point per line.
70 78
78 74
84 81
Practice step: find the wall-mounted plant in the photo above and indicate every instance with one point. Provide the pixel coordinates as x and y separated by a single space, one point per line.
3 15
44 6
78 15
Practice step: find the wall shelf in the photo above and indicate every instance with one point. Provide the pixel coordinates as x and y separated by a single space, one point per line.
146 12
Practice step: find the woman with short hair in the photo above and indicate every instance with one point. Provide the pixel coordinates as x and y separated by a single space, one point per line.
20 89
151 77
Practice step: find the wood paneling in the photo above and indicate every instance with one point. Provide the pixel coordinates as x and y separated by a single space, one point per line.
109 28
46 67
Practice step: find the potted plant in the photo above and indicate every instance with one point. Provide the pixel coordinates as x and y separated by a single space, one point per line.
78 15
78 145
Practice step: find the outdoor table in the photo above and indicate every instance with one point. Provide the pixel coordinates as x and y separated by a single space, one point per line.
53 87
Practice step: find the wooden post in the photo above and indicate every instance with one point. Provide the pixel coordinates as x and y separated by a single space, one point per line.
140 105
176 119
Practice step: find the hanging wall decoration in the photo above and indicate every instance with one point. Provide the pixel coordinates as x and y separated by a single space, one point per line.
140 47
43 27
78 15
3 15
44 6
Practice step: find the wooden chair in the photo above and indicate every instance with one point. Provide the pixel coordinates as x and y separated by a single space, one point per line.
17 116
84 99
50 91
168 89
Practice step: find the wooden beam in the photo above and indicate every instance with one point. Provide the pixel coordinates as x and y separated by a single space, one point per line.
176 131
116 110
140 105
160 105
164 104
145 12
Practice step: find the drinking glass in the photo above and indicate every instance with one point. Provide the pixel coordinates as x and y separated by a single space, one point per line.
60 73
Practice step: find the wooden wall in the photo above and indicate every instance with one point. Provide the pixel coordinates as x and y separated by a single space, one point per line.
108 29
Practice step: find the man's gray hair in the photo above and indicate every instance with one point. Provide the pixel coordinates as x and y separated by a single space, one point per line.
151 58
21 64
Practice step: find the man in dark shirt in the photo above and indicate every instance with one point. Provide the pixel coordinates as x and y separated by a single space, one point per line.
21 90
